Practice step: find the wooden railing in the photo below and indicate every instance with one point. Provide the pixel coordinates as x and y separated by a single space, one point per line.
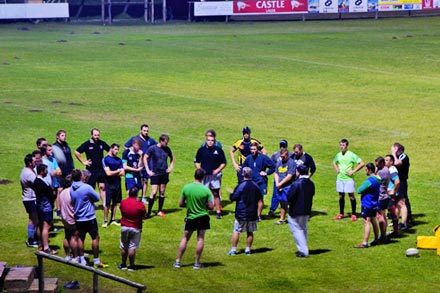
40 255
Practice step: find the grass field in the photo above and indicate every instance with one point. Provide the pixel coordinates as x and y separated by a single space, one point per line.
371 81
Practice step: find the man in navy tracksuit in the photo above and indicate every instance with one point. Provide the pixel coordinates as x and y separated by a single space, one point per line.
261 166
249 200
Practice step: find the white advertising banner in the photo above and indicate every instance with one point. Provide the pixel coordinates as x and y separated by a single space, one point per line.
328 6
358 6
213 8
33 10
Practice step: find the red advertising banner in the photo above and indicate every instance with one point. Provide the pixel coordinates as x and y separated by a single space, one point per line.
270 6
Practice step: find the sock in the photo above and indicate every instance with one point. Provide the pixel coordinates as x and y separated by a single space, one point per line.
31 232
234 248
150 205
341 205
247 249
161 200
353 206
96 261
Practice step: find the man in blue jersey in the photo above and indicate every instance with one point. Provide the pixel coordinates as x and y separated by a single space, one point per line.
159 170
94 149
275 158
211 158
369 191
83 198
146 142
133 165
284 176
114 169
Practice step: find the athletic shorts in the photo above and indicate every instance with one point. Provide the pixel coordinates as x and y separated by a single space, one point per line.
133 182
200 223
403 189
245 226
130 238
212 182
145 174
383 204
281 196
45 217
90 227
113 194
345 186
159 179
96 177
30 206
368 212
69 231
263 188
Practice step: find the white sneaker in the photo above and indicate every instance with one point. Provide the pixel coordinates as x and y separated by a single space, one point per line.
144 201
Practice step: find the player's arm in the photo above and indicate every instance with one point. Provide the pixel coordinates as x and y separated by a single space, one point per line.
81 159
234 162
172 162
358 167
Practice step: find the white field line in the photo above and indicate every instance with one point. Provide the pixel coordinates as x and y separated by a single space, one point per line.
217 101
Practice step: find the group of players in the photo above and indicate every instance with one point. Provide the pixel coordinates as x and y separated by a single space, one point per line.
49 171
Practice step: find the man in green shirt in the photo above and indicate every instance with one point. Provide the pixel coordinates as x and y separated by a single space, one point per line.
346 163
197 199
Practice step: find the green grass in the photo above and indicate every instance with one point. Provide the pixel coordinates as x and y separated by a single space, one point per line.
372 81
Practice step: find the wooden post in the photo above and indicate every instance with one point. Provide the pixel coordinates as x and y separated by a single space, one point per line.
109 11
146 11
164 11
189 10
95 283
41 274
103 12
152 11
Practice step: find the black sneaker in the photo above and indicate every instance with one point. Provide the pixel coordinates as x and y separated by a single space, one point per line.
32 243
131 268
122 266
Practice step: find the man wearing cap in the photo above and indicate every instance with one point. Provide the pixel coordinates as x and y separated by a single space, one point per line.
243 146
300 199
275 158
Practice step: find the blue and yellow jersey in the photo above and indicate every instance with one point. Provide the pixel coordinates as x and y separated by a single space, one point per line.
244 148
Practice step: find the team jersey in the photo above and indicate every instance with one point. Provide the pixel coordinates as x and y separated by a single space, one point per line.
244 148
210 158
158 158
346 162
394 175
196 197
132 160
113 163
369 191
285 168
94 152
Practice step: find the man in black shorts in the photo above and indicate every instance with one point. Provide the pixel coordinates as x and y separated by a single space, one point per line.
94 149
197 199
158 170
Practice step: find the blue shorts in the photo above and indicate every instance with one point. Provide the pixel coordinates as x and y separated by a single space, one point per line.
133 182
30 206
383 204
368 212
45 217
159 179
281 196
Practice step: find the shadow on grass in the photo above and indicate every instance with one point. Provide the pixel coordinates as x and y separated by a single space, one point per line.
258 250
144 267
318 251
318 213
